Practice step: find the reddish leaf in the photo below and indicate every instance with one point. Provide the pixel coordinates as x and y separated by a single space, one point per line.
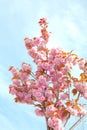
74 91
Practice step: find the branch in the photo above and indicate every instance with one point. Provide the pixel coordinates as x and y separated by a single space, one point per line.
32 74
48 128
72 128
69 92
57 81
67 120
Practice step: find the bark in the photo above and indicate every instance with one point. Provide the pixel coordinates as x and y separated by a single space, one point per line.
48 128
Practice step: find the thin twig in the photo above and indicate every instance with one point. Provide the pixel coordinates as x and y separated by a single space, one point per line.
69 92
48 128
78 122
33 75
57 81
67 120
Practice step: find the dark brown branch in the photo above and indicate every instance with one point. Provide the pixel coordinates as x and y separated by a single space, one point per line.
57 81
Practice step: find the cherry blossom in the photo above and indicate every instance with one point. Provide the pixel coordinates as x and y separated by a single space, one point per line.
52 89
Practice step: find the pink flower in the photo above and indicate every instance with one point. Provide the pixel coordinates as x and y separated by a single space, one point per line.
58 61
72 111
14 71
42 81
38 95
59 104
26 67
16 82
39 66
43 21
53 52
28 43
50 110
33 52
46 66
81 111
37 41
52 71
81 64
40 57
12 90
41 99
55 123
39 112
64 96
23 76
20 95
27 99
41 89
81 87
49 95
41 45
77 110
78 86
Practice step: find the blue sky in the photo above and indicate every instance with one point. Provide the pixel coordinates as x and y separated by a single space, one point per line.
18 19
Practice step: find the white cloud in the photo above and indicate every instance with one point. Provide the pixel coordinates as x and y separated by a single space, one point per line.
67 22
72 28
5 124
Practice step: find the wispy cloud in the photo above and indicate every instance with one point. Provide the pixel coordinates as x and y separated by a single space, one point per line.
5 123
68 24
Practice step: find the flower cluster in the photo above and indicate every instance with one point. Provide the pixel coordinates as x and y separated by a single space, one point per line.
81 84
55 123
49 87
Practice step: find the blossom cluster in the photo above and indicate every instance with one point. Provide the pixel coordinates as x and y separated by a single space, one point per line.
49 87
81 84
55 123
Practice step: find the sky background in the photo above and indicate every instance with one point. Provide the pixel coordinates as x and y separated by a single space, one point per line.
19 19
